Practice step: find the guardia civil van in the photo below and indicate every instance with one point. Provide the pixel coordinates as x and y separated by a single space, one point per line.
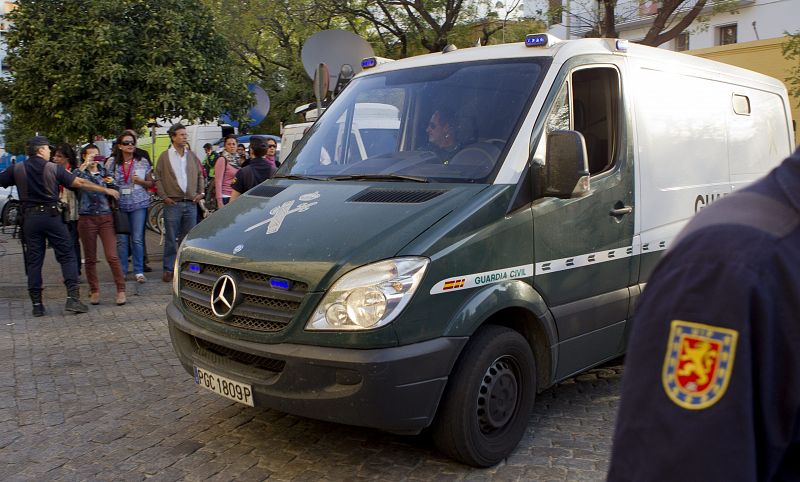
497 246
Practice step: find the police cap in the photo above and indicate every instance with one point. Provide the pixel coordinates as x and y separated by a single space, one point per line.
37 141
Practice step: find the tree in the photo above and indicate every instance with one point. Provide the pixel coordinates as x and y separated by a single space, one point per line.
429 22
84 67
791 51
670 17
268 46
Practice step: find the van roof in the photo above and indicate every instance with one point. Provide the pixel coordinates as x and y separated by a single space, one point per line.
565 49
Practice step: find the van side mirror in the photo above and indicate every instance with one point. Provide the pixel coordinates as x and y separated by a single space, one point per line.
566 165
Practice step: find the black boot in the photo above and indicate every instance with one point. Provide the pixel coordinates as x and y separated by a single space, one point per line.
74 301
38 307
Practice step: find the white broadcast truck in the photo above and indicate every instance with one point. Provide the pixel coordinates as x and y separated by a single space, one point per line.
494 244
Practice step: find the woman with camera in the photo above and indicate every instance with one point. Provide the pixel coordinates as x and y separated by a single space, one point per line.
96 221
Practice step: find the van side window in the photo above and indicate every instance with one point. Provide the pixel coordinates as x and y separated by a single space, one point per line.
595 100
559 120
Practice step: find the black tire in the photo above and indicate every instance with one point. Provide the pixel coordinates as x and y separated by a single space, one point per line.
10 213
488 400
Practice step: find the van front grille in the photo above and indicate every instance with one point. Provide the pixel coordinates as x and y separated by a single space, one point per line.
260 307
210 351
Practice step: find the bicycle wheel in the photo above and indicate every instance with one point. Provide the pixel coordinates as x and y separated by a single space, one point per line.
152 215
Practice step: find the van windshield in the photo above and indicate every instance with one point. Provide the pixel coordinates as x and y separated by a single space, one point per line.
444 123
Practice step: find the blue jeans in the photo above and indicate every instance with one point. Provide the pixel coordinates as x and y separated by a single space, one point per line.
179 219
136 219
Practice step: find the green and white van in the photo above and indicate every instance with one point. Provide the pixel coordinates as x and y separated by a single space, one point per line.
423 286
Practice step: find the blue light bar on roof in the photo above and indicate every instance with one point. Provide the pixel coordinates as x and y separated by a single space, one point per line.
369 62
540 40
536 40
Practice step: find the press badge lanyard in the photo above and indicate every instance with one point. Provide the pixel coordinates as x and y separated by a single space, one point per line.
126 176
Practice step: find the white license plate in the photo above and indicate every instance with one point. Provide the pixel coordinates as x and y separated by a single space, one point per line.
236 391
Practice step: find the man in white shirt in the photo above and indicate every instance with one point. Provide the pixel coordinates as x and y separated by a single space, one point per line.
179 181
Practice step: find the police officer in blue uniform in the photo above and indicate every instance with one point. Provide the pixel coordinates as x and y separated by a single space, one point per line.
712 376
256 171
37 182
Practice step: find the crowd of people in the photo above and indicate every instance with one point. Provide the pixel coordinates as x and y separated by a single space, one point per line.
70 200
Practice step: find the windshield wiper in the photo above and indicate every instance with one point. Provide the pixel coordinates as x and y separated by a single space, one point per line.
379 177
300 177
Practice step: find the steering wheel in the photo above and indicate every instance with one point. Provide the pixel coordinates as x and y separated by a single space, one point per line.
479 158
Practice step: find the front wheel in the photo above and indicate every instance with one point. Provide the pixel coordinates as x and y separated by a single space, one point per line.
488 400
10 213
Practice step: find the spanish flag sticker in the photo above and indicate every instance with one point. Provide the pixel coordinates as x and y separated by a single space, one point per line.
698 363
452 284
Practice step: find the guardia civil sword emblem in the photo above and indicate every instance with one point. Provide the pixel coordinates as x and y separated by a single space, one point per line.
698 364
279 213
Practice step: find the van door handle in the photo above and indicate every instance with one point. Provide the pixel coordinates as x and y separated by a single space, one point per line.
618 212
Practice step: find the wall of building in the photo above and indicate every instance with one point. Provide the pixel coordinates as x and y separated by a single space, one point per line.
772 17
763 56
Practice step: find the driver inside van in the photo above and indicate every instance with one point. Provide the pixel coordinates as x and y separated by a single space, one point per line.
442 135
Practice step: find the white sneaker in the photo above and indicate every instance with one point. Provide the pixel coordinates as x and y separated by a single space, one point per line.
140 278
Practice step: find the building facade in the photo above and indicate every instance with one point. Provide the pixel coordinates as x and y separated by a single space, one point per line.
724 22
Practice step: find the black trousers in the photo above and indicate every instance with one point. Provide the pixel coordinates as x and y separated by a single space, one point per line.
72 228
39 228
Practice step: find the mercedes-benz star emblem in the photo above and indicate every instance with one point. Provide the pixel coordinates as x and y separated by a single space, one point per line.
224 296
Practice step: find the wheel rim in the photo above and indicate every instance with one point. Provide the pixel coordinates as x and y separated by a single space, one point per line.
498 395
13 212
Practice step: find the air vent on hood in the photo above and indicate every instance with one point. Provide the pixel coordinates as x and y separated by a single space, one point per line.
404 196
265 191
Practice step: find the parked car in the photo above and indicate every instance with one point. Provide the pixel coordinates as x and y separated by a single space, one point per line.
9 206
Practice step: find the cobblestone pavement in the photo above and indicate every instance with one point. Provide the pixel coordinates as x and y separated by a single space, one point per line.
101 396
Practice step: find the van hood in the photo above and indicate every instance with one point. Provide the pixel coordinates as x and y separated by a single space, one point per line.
315 231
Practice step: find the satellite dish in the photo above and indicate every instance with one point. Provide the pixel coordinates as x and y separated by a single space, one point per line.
334 48
257 113
322 79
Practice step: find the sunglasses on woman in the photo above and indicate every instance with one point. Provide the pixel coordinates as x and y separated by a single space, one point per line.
128 143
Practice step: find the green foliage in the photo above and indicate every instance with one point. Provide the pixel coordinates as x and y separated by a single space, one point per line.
791 51
267 37
84 67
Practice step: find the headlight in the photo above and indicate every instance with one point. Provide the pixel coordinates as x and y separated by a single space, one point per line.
369 297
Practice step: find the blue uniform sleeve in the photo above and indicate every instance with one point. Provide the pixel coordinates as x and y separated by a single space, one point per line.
7 177
696 400
241 180
64 177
